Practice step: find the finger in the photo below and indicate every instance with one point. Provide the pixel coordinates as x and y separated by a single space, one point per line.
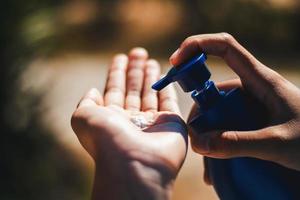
91 98
267 143
229 84
151 75
254 75
222 45
135 76
168 100
116 81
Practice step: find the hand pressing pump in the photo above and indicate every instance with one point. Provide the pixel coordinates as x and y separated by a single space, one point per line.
237 178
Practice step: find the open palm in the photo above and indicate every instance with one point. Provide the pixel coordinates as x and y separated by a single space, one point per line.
149 151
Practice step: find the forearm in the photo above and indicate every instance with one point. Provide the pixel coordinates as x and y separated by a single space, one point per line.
138 182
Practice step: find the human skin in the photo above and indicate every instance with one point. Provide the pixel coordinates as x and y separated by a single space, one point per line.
131 162
279 140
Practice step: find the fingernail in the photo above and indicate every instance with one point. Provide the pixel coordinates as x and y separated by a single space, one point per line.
174 55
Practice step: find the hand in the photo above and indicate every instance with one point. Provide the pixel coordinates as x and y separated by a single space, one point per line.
279 141
132 162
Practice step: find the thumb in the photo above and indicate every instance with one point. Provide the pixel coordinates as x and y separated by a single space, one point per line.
266 144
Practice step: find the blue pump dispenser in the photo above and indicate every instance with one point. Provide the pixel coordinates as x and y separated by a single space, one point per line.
237 178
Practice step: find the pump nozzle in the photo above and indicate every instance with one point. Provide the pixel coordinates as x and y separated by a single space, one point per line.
191 75
160 84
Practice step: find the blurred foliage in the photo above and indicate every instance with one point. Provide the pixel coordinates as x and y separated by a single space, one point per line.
257 24
90 25
33 164
30 166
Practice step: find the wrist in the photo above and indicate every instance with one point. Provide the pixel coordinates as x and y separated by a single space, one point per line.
134 180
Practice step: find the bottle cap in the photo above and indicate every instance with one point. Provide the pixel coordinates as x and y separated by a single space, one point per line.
190 76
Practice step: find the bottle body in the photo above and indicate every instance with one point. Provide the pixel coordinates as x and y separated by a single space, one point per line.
244 178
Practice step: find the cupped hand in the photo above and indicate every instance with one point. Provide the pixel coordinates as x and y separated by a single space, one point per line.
135 135
279 141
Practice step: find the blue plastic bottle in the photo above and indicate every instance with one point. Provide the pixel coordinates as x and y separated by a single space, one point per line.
237 178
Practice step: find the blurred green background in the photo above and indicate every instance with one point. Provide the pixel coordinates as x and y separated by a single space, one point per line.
52 51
